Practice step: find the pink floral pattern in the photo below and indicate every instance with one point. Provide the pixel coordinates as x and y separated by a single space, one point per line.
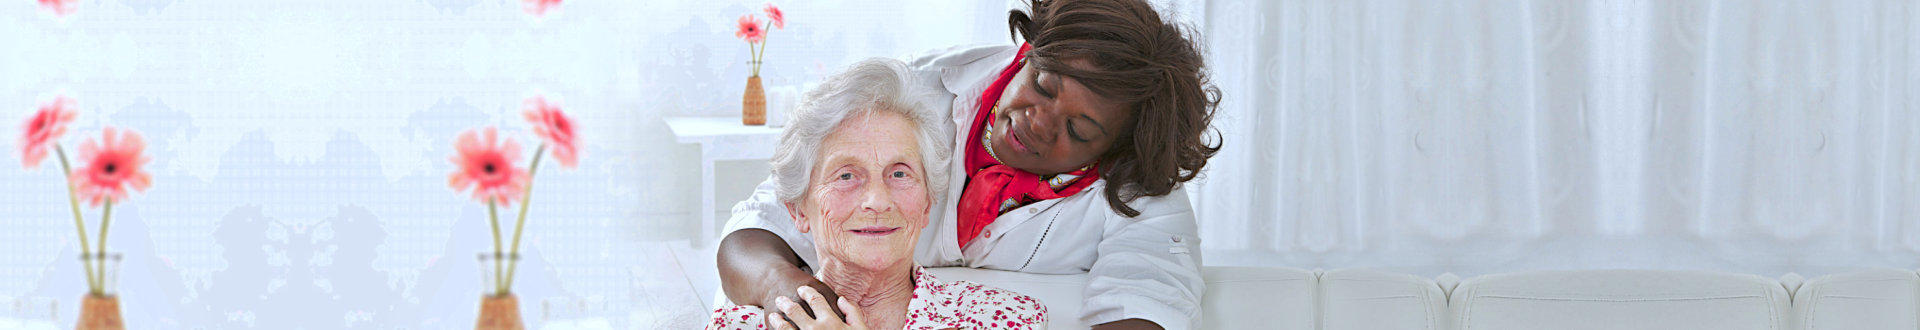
936 305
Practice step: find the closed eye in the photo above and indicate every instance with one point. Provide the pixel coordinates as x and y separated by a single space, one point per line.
1075 133
1034 80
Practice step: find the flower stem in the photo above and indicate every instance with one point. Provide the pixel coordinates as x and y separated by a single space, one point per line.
78 224
518 224
495 220
757 57
753 60
106 217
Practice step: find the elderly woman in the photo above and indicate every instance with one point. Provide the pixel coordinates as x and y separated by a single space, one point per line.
1070 150
853 170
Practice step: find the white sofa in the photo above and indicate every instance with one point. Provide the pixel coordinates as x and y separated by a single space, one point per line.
1287 299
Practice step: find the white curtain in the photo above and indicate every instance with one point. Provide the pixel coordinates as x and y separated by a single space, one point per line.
1493 136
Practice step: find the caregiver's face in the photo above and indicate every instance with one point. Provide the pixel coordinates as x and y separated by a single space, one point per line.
867 200
1055 125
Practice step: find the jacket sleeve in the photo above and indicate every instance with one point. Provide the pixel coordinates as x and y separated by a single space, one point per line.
764 211
1148 266
955 56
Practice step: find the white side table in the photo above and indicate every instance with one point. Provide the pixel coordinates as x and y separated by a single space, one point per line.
721 138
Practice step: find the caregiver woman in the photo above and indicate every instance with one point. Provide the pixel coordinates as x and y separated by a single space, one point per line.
1073 148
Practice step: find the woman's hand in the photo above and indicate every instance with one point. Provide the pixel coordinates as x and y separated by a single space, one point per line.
788 294
827 320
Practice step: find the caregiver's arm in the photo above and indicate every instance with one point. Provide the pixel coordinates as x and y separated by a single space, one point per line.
756 267
1128 324
1148 269
760 258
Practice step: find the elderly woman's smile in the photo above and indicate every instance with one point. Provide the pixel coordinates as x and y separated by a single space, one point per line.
875 231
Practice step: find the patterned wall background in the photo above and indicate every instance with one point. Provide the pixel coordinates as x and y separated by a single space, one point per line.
300 149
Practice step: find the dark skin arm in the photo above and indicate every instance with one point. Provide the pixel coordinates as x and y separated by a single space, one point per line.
757 266
1128 324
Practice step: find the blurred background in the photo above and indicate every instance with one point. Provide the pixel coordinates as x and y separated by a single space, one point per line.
301 147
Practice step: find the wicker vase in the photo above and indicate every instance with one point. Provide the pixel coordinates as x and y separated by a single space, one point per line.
500 312
753 105
100 313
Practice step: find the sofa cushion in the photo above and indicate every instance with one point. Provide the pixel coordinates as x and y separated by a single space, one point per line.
1876 299
1236 297
1364 299
1258 298
1620 299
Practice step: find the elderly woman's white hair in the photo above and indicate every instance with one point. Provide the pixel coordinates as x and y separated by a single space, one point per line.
872 85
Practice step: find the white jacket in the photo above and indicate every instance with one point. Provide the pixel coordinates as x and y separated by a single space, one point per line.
1145 267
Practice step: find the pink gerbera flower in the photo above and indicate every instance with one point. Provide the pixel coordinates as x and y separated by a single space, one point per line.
59 7
539 7
41 130
555 128
487 168
773 14
111 166
750 30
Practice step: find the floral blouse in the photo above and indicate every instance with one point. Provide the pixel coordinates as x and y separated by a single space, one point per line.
935 305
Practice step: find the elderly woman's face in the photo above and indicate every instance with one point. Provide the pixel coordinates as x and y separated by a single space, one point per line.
1054 125
867 198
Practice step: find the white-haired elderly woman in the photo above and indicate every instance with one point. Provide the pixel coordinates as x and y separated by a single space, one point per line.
853 169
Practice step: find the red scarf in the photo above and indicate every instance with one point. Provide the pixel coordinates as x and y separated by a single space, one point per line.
993 188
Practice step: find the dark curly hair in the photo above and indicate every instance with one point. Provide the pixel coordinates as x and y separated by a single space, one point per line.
1139 61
